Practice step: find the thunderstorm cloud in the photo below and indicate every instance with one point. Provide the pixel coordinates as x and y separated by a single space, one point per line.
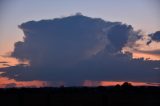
77 48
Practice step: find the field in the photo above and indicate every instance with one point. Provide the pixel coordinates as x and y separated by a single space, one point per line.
81 96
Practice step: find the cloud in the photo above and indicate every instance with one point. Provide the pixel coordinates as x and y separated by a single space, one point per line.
156 36
153 52
147 46
6 65
121 35
151 44
3 62
78 48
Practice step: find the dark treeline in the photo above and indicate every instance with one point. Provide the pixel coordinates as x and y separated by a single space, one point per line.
125 95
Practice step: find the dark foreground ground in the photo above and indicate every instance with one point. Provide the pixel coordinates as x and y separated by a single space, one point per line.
81 96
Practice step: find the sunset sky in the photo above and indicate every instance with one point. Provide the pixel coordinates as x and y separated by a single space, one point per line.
31 56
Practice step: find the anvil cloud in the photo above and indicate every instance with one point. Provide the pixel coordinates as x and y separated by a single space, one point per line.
78 48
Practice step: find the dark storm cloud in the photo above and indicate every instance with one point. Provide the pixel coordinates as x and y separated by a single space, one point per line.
77 48
121 34
154 37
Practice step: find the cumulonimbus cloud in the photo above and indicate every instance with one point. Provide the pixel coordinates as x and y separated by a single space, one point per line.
77 48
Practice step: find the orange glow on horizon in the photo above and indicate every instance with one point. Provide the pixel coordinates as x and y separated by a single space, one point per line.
90 83
6 82
113 83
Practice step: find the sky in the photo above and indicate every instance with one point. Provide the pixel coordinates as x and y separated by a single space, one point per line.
142 15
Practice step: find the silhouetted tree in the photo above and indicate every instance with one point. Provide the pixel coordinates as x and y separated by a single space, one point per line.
127 85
